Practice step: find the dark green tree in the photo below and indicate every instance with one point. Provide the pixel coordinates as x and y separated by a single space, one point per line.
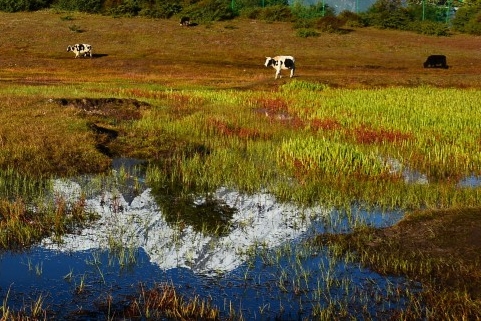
23 5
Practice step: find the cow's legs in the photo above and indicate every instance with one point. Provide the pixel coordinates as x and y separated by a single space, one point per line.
292 72
278 72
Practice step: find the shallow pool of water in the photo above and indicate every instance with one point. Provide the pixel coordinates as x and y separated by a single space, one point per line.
288 286
259 264
470 181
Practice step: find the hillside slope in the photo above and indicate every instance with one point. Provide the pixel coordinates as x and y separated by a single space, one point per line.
223 54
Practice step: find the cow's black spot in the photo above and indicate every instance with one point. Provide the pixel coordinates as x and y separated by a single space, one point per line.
289 63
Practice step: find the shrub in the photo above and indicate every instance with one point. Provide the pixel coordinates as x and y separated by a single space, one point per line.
329 24
251 13
128 8
241 5
474 25
210 10
388 14
398 19
276 13
164 11
75 28
351 19
430 28
270 13
468 19
304 23
429 12
307 32
23 5
268 3
301 11
90 6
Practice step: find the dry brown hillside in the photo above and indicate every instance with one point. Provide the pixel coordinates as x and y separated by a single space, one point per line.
223 54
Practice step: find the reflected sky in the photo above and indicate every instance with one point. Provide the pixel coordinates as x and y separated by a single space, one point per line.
260 291
256 266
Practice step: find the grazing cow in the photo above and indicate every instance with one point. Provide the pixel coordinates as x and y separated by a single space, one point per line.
81 49
185 21
436 61
281 62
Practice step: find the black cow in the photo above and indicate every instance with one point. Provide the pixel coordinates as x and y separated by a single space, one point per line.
436 61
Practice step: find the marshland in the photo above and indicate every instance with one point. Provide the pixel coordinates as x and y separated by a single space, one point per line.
171 176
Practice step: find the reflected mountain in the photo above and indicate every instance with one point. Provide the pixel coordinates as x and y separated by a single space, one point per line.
249 221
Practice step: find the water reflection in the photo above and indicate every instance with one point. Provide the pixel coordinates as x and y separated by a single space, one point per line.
470 181
205 214
208 233
257 262
258 290
409 175
69 283
254 220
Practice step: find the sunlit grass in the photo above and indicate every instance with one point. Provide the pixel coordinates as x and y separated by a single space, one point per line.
39 138
164 301
345 151
306 142
426 125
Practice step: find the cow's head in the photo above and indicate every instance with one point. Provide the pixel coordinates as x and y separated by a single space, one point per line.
269 62
69 48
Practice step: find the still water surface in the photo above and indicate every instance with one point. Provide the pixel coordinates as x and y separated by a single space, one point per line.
259 265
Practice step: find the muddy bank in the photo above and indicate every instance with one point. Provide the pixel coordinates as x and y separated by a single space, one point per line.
116 108
440 248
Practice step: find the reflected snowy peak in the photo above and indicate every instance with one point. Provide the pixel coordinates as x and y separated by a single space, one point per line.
258 220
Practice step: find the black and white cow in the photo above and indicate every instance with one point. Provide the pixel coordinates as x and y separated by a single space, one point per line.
281 62
436 61
81 49
185 21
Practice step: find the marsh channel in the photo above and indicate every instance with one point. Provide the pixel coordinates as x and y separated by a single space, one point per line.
244 253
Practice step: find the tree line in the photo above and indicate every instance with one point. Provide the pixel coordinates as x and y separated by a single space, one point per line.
432 17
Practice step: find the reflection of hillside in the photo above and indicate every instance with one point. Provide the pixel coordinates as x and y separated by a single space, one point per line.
181 207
